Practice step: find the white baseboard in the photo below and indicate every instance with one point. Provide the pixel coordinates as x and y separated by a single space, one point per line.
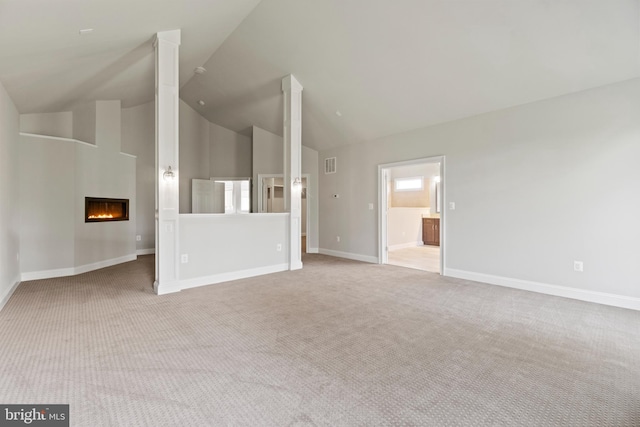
167 287
150 251
72 271
313 251
232 275
405 245
544 288
349 255
47 274
7 295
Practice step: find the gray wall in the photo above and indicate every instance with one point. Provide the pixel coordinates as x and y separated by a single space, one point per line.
104 172
52 124
194 152
203 147
230 153
138 138
268 158
47 201
536 187
9 195
310 166
55 177
84 122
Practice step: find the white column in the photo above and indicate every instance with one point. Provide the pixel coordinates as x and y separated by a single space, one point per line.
292 166
167 46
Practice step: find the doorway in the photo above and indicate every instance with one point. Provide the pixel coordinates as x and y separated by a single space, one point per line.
271 200
411 215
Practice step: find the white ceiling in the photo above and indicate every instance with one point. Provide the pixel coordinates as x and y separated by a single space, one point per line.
387 66
46 66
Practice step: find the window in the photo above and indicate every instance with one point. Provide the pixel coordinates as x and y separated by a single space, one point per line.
415 183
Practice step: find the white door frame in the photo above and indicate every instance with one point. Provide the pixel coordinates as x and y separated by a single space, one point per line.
383 203
309 196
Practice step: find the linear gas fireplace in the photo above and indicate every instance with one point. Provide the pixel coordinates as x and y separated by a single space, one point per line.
97 209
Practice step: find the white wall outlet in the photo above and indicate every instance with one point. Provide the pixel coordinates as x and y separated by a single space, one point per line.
279 247
578 266
370 206
184 258
337 238
138 238
452 206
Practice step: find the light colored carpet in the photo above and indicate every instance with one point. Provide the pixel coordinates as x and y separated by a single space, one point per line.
339 343
425 258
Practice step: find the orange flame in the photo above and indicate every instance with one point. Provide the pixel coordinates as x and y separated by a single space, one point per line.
101 216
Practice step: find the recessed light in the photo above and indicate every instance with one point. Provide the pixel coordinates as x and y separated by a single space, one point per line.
86 31
338 113
201 102
199 70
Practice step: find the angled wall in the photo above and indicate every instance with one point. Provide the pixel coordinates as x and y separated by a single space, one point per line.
56 174
138 139
9 196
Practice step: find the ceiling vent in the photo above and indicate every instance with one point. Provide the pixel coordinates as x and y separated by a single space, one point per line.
330 165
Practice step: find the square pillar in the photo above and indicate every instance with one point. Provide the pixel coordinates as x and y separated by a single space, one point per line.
167 167
292 139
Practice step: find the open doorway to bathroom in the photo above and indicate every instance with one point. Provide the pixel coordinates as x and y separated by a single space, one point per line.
411 214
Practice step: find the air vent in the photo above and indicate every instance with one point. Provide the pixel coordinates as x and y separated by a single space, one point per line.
330 165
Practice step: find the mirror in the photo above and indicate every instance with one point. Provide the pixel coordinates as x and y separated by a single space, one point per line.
221 195
271 193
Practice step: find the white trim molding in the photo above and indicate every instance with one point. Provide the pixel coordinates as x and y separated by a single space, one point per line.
149 251
349 255
5 299
59 138
544 288
313 251
232 275
72 271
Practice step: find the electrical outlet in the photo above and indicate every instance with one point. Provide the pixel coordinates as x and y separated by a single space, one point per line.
184 258
279 247
452 206
138 238
578 266
337 238
370 206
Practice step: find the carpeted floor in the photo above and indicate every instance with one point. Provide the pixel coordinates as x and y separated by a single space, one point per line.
339 343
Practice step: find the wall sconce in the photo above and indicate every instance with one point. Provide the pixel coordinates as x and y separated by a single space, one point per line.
168 175
297 182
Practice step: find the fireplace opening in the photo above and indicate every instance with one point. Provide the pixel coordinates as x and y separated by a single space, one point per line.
97 209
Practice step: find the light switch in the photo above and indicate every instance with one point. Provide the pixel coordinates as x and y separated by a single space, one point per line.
370 206
452 206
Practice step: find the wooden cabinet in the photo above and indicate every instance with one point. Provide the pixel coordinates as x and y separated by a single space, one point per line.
431 231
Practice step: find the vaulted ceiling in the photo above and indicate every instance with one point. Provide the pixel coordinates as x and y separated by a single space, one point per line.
385 66
47 66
